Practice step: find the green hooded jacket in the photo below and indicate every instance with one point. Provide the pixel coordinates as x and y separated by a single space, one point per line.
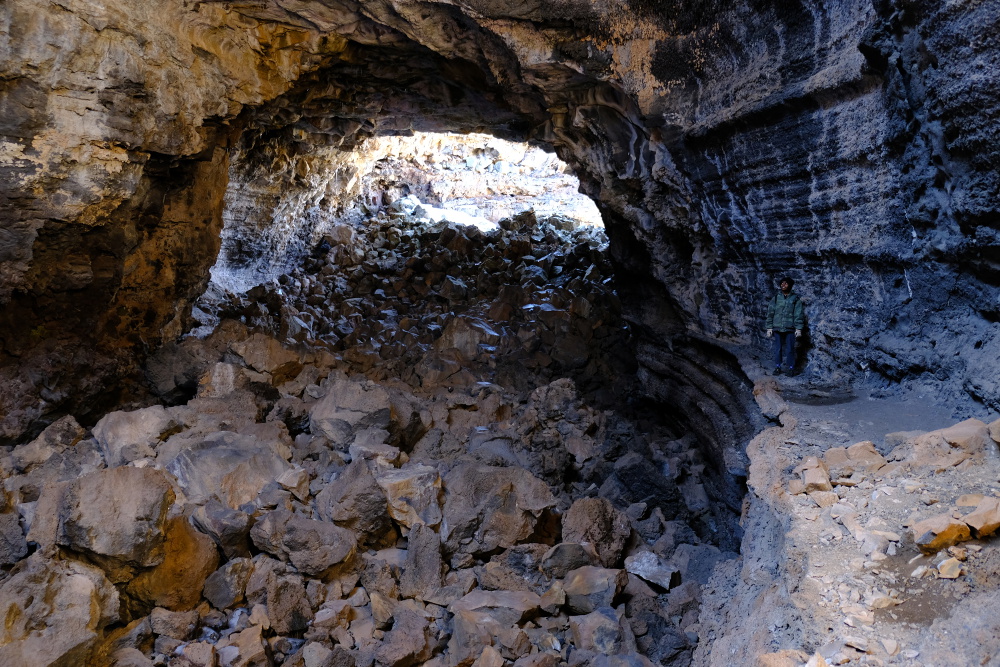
785 313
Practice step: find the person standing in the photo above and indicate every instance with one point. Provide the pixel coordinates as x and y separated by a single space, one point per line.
785 319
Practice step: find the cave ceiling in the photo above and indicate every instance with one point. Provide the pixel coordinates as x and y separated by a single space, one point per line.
853 145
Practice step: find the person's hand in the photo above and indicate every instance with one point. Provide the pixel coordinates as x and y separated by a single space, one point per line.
798 333
770 333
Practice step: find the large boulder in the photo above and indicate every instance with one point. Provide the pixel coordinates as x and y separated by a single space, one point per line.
176 583
230 467
13 545
55 612
348 407
282 591
312 546
356 501
507 607
229 528
409 642
596 522
266 355
226 586
116 517
128 436
489 507
421 575
56 438
939 532
588 588
985 519
413 493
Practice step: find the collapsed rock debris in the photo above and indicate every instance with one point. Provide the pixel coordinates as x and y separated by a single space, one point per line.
383 458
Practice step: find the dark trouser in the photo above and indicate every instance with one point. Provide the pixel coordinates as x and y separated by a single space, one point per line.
784 349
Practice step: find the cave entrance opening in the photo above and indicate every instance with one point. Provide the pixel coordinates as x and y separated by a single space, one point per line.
272 220
466 264
433 257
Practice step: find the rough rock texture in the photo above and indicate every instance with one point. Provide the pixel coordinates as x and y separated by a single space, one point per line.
852 145
40 595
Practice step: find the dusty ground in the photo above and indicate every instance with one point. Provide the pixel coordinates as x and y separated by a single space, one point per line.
837 579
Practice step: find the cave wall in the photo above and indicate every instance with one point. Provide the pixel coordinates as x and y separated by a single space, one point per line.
852 145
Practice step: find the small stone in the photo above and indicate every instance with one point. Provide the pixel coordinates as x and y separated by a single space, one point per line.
891 646
824 498
950 569
969 500
857 642
816 479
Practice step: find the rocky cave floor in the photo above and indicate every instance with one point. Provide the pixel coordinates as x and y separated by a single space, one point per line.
420 447
399 453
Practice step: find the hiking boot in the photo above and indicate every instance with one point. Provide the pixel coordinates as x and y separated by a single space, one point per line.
777 371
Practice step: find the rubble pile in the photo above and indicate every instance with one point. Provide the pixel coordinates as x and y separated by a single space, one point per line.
385 461
448 303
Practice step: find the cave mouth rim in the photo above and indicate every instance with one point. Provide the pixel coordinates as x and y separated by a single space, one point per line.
520 175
